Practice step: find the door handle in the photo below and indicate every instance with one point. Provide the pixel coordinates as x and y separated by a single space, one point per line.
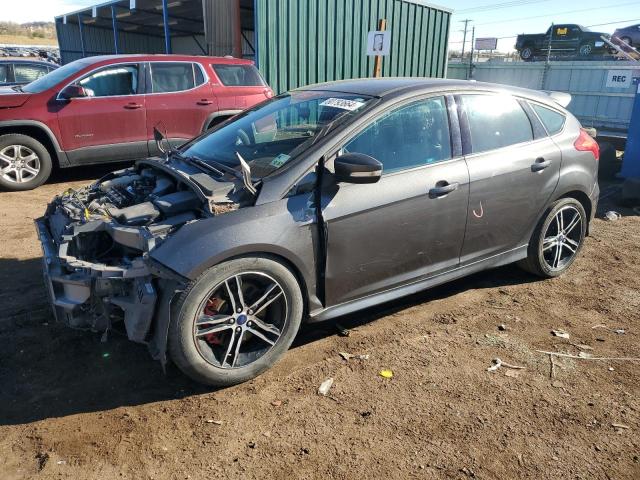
540 164
133 106
442 188
204 101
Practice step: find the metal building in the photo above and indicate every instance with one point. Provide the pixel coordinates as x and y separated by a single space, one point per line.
293 42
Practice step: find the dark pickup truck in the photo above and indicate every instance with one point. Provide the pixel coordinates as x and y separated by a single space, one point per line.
566 39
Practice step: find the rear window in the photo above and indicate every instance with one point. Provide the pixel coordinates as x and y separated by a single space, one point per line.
553 121
239 75
25 73
175 76
496 121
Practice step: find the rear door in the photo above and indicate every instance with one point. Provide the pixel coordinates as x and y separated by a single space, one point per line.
239 86
513 170
109 124
407 226
179 100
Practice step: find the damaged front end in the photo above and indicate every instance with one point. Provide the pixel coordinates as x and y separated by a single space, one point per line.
96 243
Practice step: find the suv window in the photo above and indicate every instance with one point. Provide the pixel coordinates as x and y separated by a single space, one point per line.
238 75
175 77
4 73
25 73
496 121
112 81
553 121
411 136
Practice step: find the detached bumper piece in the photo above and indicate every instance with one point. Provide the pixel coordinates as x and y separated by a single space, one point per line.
92 295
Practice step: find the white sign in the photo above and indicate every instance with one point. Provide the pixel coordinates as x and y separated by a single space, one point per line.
488 43
619 78
378 43
342 103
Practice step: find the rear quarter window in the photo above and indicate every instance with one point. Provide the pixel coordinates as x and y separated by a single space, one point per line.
238 75
553 121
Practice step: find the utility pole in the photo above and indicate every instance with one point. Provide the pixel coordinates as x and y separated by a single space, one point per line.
464 37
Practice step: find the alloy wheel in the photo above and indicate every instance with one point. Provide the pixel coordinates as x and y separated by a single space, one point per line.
241 320
562 238
526 53
19 164
585 49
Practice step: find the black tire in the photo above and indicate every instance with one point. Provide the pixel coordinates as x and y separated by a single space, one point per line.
526 54
12 143
608 165
585 50
626 40
537 260
186 348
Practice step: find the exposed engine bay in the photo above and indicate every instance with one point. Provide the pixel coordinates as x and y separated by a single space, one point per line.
96 240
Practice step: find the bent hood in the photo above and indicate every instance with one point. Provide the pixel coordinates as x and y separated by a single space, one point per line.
9 98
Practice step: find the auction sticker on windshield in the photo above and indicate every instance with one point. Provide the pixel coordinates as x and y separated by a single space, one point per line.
342 103
280 160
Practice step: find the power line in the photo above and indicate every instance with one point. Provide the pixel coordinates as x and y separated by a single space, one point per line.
560 13
595 25
494 6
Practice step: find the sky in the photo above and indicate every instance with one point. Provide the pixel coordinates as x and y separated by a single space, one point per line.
492 18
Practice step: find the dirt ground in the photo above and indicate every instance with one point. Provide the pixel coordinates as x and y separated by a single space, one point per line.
74 407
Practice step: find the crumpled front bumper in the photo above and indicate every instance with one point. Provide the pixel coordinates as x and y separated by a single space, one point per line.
85 295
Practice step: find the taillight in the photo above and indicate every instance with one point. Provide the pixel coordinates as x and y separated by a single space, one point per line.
586 143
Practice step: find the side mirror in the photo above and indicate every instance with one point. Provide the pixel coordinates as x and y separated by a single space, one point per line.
357 168
73 91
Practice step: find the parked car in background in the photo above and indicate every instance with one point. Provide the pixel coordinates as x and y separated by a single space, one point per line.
104 109
21 72
565 39
627 36
317 203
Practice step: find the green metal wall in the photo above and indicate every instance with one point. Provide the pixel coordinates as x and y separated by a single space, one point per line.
300 42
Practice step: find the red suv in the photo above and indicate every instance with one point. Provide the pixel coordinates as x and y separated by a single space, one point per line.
104 109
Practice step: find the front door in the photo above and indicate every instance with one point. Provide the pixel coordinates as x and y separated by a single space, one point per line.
512 175
179 101
108 124
409 225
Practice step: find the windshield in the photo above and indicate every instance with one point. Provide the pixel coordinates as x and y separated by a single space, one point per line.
55 77
270 135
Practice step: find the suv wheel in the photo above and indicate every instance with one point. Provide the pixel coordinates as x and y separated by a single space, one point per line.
235 321
585 49
24 162
557 239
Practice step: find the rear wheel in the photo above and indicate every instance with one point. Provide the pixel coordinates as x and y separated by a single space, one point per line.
626 40
236 321
585 49
24 162
526 54
557 239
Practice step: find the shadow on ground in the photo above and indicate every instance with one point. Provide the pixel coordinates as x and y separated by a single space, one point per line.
48 370
86 172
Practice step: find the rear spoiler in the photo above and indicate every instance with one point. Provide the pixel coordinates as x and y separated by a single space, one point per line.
561 98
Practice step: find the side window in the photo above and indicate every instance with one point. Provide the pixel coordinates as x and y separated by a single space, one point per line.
4 73
411 136
496 121
173 77
553 121
112 81
28 73
238 75
199 76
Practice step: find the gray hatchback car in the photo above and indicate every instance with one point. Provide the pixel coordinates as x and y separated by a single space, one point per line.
313 204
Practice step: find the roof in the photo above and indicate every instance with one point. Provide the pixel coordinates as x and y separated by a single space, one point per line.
162 57
22 60
387 86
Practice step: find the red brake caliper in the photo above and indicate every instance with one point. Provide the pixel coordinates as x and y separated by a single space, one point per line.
212 308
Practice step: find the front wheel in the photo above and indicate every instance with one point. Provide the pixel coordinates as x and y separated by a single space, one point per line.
235 321
24 162
557 239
